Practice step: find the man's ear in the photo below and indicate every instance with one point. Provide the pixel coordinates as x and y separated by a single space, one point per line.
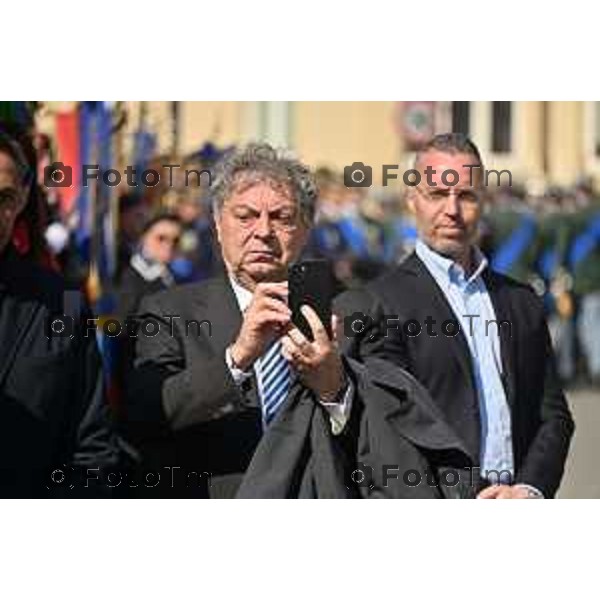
410 200
217 220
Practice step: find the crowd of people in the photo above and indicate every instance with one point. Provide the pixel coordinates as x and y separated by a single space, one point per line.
550 240
205 403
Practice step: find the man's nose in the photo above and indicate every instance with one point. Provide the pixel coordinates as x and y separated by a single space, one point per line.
264 227
452 205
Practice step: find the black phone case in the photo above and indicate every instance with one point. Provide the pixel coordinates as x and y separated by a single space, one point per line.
311 282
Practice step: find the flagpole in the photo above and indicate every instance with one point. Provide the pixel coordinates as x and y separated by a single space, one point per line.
94 275
175 126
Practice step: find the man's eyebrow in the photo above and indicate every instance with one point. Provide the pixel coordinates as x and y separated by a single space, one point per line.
283 208
245 207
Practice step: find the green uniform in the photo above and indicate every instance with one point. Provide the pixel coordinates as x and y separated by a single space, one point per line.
512 240
586 272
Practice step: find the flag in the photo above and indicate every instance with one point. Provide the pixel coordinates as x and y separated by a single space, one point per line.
99 206
106 197
68 153
144 148
96 201
85 197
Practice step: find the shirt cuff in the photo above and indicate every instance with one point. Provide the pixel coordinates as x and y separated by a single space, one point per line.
534 493
339 412
237 374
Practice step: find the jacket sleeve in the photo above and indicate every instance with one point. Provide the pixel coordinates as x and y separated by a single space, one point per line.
168 389
365 329
94 445
545 460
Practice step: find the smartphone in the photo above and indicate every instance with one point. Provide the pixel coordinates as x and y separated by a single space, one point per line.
311 282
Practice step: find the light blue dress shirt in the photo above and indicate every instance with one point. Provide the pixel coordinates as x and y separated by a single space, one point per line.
469 296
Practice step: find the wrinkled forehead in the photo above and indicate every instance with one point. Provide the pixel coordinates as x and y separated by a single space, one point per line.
259 188
445 169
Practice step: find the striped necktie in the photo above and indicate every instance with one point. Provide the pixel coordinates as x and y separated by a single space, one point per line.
275 380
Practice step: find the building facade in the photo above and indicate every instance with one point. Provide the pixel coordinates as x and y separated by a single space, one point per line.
539 142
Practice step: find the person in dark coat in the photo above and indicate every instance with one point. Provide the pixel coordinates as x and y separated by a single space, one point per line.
56 437
476 340
204 388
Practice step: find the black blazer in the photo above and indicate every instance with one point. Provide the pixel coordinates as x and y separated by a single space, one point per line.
183 411
131 289
53 413
541 422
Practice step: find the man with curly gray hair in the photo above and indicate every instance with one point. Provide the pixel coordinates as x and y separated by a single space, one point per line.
209 394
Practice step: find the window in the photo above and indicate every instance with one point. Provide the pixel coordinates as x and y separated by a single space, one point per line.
501 126
461 115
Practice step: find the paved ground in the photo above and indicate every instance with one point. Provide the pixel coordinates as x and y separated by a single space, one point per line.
582 474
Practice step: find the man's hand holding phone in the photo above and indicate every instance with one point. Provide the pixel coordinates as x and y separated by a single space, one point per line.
290 313
265 320
318 363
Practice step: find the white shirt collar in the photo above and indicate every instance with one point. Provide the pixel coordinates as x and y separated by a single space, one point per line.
444 266
150 270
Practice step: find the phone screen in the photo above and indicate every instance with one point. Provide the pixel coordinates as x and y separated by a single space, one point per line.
311 282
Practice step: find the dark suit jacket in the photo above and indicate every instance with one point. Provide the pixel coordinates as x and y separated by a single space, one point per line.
131 289
53 413
541 422
397 445
183 411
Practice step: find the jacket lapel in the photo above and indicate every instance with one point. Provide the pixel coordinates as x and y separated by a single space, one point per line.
441 309
502 307
220 307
